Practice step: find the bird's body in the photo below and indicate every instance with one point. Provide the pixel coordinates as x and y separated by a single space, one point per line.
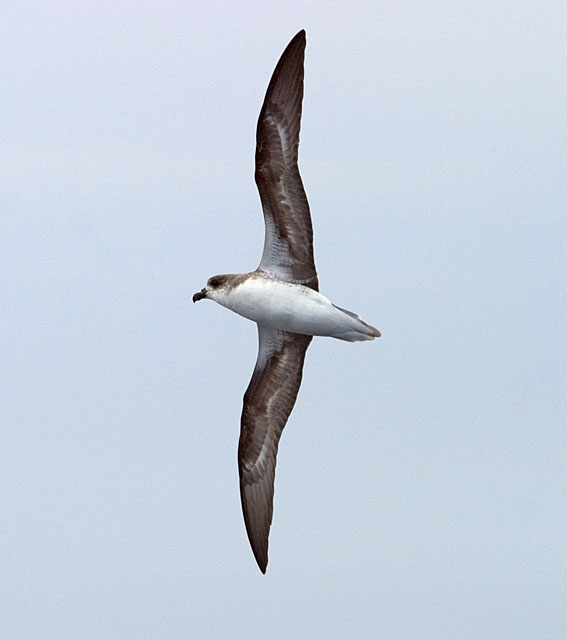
289 307
281 296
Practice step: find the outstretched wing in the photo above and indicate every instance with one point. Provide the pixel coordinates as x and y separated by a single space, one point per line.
268 401
288 244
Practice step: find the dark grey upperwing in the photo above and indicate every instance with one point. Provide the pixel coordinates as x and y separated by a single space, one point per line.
268 401
288 244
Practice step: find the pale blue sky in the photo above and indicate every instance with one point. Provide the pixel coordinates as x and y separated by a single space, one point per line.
421 483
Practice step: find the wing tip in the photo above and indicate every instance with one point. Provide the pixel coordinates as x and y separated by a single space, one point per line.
300 38
257 523
262 561
259 547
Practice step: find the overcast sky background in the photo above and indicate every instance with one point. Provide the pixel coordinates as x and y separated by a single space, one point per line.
421 487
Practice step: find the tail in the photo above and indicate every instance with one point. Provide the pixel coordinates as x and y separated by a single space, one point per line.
357 331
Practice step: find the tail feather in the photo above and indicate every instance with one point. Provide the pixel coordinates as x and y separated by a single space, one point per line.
359 331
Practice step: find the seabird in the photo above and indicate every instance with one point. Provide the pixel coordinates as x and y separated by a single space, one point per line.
281 296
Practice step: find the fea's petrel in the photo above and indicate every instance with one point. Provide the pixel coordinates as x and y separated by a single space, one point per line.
281 296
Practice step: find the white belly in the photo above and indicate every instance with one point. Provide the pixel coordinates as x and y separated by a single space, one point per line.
293 307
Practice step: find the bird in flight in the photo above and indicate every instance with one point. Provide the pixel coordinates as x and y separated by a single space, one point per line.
281 296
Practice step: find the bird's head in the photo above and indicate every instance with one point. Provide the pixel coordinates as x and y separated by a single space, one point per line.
213 290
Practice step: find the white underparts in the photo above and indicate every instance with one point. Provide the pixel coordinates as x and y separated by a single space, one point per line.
294 308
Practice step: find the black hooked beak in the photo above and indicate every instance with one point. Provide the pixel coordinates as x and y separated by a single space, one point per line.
200 295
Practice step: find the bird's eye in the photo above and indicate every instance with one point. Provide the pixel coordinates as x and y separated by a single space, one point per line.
214 283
